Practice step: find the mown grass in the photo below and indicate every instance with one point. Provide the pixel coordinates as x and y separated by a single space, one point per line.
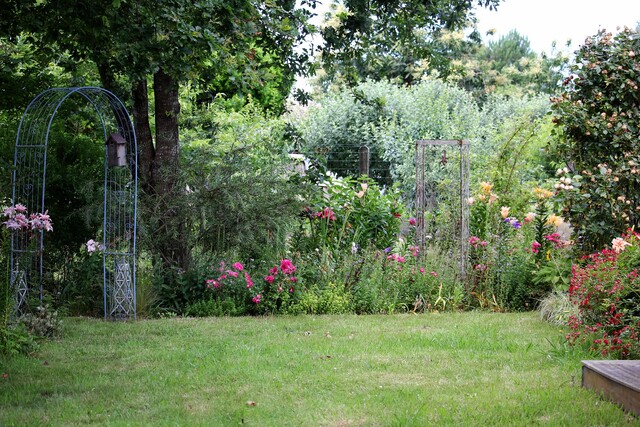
432 369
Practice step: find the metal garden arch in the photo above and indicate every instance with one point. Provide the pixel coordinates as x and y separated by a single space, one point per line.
119 205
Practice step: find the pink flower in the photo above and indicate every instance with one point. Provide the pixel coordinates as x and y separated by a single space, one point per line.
256 299
22 220
93 246
535 247
422 270
326 213
293 279
238 266
232 273
412 221
269 279
12 224
9 211
273 271
248 280
529 217
618 244
287 267
20 208
434 274
214 283
415 250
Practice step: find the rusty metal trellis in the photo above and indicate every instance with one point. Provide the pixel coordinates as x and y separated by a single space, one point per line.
119 204
429 152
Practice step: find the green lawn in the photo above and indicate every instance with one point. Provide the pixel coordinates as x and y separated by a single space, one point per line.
431 369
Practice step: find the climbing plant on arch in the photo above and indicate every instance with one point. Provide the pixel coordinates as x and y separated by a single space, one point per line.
119 204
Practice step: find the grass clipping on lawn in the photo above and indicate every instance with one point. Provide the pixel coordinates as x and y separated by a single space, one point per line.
470 368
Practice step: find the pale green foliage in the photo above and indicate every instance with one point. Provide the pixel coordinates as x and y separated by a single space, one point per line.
389 119
556 308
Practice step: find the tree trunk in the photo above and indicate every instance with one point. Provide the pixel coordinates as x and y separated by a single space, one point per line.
171 236
146 150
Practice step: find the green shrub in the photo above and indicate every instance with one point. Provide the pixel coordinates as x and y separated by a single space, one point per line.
348 213
332 299
42 322
15 340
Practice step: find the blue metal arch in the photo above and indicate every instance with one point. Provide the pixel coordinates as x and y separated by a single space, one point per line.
119 227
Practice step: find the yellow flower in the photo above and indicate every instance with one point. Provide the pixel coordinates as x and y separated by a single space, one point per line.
542 193
554 220
486 187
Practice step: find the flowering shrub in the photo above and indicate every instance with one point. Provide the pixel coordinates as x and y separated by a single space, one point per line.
516 256
234 291
14 340
597 116
347 212
606 289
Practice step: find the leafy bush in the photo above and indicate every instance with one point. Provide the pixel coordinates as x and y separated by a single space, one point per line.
83 283
16 340
597 116
237 168
42 322
332 299
346 213
606 288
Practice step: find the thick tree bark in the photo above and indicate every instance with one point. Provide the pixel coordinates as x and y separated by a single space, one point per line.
165 173
167 157
146 150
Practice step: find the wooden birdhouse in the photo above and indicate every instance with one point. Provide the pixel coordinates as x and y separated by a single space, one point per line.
116 150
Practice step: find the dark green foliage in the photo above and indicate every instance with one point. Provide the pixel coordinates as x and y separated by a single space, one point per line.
515 290
214 307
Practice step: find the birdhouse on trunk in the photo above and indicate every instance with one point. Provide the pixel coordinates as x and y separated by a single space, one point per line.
116 150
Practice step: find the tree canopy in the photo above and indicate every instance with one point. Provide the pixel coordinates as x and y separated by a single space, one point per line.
392 38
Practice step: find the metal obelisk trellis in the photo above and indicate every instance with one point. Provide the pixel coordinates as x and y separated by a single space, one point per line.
120 196
423 205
